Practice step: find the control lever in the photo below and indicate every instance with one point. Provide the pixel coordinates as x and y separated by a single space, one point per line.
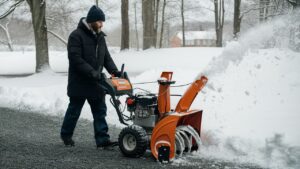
122 70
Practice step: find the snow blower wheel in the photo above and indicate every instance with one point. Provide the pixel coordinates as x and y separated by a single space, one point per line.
133 141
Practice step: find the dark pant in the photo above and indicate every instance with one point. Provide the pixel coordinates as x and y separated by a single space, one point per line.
98 108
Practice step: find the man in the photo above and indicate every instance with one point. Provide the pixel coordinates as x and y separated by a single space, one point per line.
88 55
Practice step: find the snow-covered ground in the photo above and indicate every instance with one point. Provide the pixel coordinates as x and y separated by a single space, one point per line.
251 109
47 90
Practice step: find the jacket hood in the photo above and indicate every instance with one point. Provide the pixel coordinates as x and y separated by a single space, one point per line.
84 26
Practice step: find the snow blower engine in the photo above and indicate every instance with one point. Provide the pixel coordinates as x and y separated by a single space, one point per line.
168 133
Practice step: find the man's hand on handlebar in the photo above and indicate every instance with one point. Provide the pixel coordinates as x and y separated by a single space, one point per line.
117 74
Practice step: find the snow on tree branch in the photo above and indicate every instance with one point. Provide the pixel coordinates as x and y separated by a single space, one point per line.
58 37
3 2
11 9
9 41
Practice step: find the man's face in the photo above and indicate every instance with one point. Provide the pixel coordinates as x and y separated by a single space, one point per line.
96 26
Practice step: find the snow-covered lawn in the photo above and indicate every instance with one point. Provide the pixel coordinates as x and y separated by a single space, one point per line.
46 91
251 102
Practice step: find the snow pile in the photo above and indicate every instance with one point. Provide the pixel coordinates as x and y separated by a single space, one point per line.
252 112
251 100
44 92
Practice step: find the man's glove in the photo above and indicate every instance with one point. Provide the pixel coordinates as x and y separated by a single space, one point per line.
117 74
96 75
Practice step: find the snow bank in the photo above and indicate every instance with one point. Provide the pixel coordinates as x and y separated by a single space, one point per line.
17 63
251 100
23 62
252 111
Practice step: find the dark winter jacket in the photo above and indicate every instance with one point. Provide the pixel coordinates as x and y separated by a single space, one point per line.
87 52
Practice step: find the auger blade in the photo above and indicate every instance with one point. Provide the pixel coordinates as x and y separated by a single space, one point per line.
187 140
179 144
178 131
192 132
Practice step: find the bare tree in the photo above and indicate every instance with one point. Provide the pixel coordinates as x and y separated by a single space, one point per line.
58 37
5 28
237 18
11 8
240 14
219 20
125 25
295 3
264 11
168 27
182 18
271 8
136 29
59 16
162 23
156 7
148 17
38 13
8 41
280 7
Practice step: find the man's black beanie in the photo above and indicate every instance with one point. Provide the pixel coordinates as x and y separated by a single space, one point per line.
95 14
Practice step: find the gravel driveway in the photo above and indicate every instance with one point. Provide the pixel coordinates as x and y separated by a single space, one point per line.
31 140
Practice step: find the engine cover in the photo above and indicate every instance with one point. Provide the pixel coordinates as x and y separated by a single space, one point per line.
144 108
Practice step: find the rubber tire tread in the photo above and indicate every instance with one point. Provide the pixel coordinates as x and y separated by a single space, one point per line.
141 141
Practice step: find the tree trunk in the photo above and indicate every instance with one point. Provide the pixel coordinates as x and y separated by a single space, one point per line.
168 33
222 9
156 20
237 18
125 25
38 12
97 3
219 21
136 30
148 16
162 24
182 18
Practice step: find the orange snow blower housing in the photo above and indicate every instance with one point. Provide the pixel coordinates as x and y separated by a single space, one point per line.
167 132
164 133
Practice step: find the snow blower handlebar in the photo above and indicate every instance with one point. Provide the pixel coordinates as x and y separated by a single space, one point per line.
117 86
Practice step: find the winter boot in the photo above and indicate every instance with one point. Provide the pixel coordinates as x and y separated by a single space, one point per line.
68 142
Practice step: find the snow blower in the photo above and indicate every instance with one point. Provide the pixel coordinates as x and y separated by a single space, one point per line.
167 132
